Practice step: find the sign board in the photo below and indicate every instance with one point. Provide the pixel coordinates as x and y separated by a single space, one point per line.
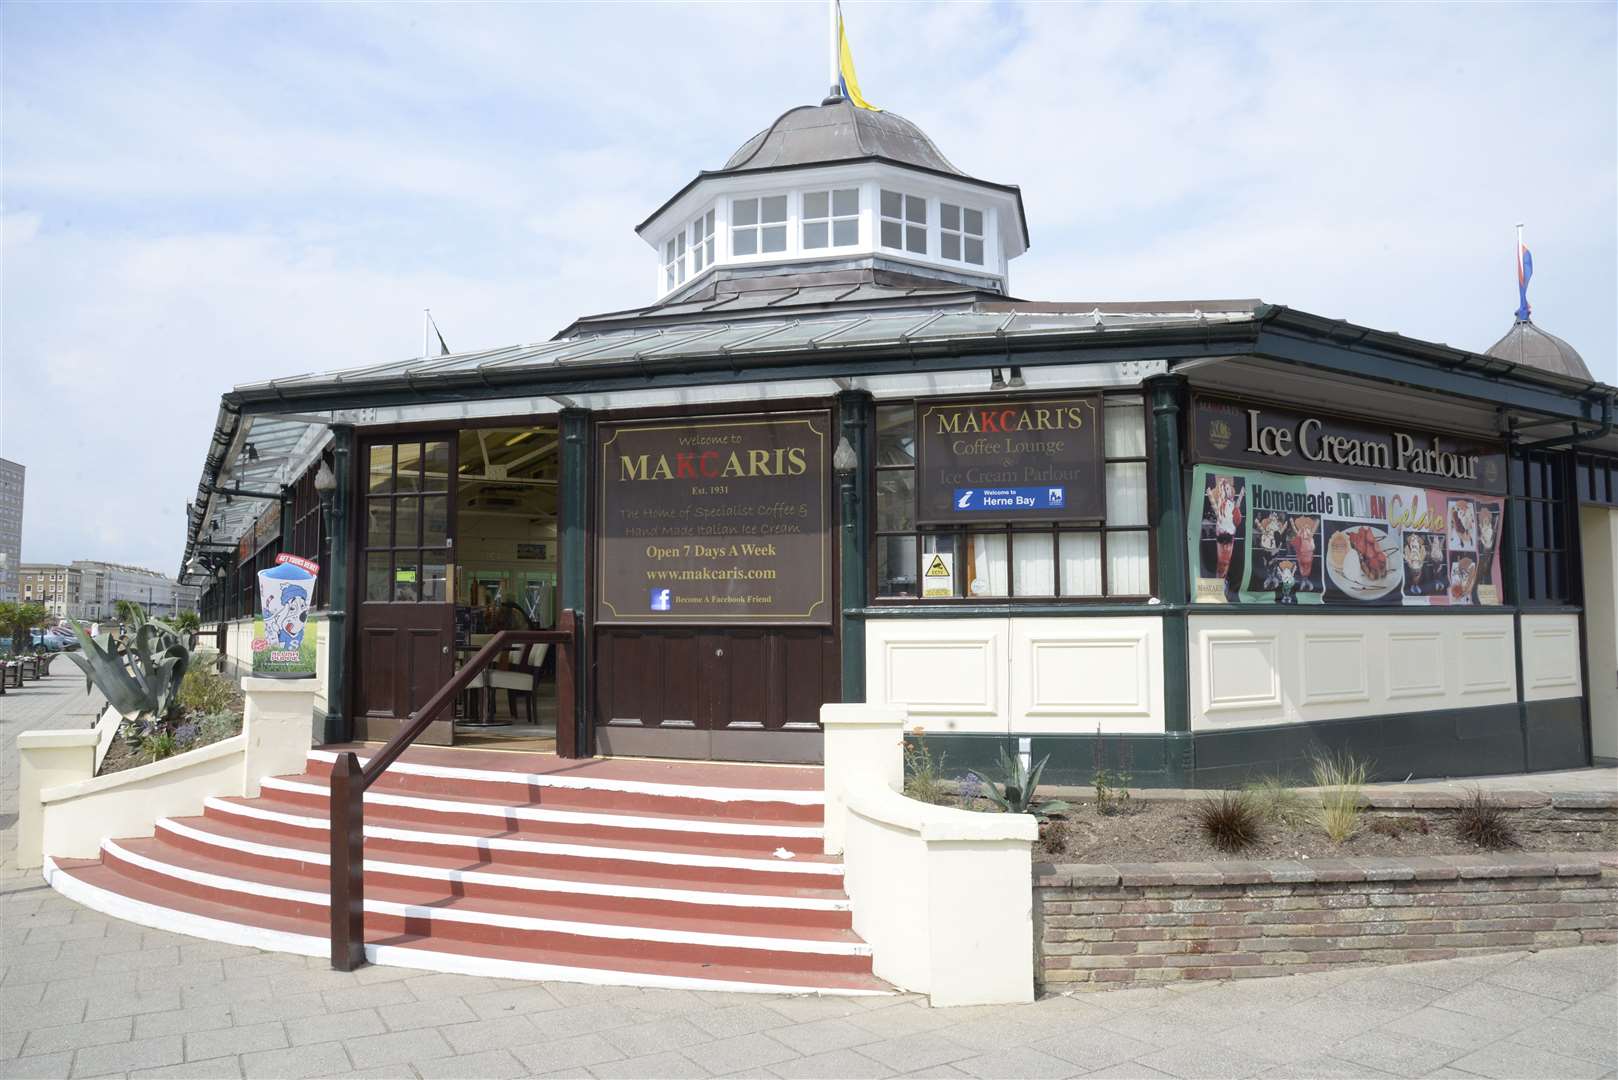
281 647
717 520
1269 437
1267 538
938 578
1039 460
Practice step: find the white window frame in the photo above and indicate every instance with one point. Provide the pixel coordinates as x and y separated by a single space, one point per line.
702 241
961 234
905 223
674 261
831 219
758 225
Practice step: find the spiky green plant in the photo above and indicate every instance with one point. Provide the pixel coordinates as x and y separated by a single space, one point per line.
1016 793
142 680
1340 777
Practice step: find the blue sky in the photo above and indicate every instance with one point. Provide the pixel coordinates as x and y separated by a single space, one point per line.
199 196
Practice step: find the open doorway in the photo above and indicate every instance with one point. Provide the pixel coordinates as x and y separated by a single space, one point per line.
506 579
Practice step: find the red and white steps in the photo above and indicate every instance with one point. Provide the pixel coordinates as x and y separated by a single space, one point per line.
697 875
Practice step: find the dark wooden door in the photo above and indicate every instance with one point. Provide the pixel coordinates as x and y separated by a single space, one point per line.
406 626
738 694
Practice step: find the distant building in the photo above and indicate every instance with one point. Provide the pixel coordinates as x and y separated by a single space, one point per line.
89 589
12 476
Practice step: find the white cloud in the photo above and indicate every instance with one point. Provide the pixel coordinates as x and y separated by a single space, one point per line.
201 196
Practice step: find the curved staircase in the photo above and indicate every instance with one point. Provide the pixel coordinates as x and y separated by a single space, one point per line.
695 875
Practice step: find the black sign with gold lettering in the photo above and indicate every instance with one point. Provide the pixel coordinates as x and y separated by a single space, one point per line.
1029 460
718 520
1265 436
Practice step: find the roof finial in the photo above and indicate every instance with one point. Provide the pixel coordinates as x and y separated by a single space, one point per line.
1525 272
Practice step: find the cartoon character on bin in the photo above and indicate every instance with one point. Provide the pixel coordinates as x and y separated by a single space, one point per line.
285 615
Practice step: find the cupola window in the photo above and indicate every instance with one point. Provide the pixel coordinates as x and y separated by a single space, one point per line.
758 225
702 242
960 233
674 261
831 218
904 222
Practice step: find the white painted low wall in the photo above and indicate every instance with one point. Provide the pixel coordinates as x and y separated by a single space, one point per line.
65 810
944 897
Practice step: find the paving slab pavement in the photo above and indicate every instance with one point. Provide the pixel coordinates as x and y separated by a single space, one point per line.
83 995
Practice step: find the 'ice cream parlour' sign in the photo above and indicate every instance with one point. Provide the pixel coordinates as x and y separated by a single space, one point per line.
282 649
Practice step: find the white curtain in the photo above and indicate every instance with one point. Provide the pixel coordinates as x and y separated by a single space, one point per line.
1129 564
1081 564
1033 569
989 576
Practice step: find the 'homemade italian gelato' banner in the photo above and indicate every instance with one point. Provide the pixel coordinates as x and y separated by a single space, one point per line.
1267 538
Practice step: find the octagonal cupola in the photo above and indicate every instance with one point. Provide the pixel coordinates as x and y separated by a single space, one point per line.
834 186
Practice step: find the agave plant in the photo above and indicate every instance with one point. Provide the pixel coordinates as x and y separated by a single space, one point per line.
143 679
1015 793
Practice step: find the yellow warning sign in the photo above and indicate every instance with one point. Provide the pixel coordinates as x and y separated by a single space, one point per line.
939 577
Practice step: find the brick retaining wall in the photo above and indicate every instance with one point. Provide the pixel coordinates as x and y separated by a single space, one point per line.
1135 923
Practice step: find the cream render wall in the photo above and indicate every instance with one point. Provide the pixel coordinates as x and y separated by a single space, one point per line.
994 676
1265 669
1551 665
1598 532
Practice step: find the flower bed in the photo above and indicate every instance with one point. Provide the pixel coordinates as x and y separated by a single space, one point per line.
210 711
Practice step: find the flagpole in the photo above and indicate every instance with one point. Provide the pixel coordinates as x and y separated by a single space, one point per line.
831 17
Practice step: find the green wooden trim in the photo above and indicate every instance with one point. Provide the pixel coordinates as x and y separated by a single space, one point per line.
573 529
1173 581
339 723
855 411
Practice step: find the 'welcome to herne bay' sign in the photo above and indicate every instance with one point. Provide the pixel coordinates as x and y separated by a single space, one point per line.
1035 460
715 520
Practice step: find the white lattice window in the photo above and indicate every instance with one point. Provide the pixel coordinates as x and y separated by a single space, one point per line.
904 222
758 226
702 242
960 233
674 261
831 218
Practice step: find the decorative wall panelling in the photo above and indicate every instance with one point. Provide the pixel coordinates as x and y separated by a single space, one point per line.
1266 669
1036 676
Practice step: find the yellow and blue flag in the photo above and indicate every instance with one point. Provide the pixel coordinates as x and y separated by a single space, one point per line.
846 79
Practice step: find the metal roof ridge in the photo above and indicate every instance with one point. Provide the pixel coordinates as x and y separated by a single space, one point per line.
759 336
686 340
815 342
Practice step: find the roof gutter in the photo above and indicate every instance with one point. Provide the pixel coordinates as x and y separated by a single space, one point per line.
1577 436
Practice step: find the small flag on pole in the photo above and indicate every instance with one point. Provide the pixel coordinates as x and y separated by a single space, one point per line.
847 81
1525 273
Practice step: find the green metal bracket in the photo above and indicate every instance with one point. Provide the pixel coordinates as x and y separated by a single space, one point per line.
574 531
854 413
1173 584
339 722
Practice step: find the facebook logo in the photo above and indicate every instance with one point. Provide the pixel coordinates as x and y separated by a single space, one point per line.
662 599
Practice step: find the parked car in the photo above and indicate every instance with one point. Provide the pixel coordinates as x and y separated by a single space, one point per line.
55 639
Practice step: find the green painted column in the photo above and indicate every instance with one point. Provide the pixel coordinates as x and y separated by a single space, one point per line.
1513 570
339 722
855 411
1167 397
573 529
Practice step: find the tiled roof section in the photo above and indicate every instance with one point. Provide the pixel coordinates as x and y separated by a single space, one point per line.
1527 344
837 131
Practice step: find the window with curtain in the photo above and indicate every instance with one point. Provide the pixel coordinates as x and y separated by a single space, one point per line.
1014 559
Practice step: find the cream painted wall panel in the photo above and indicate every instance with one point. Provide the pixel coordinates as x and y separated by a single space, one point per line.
949 673
1243 669
1248 670
1598 532
1416 665
1077 674
1336 668
1550 657
1487 664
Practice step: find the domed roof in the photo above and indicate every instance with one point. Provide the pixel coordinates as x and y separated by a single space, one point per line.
833 131
1527 344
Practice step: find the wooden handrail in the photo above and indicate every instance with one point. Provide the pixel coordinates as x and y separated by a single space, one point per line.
349 780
